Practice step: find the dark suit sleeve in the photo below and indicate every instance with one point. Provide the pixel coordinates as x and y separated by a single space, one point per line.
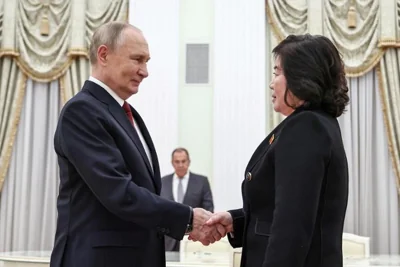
301 154
236 239
207 200
89 146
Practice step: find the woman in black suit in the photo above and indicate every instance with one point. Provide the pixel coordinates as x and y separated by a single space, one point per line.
295 186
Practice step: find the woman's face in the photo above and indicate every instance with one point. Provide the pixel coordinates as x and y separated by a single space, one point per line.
278 87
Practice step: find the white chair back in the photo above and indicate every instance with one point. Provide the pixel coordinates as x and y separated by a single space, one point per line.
196 252
236 257
355 246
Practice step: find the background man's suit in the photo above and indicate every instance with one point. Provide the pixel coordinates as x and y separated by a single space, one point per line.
198 195
109 211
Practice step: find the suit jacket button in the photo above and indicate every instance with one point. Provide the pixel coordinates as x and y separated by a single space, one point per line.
248 176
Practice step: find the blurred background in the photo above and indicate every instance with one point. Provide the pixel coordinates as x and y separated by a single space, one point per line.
207 91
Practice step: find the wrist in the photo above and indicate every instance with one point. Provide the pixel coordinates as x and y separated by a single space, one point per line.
189 226
229 219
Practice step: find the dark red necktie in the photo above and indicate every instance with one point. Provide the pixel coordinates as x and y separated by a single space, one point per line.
128 112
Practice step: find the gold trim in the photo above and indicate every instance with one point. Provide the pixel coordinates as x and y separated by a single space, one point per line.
271 20
62 89
350 71
14 128
49 76
127 12
78 52
9 52
389 42
43 77
383 96
391 45
366 67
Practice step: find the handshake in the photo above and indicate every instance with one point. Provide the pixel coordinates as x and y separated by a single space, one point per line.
210 227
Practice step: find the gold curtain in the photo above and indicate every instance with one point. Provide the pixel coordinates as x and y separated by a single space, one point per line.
12 89
353 26
45 40
389 86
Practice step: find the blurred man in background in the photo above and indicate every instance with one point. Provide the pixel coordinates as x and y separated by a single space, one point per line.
185 187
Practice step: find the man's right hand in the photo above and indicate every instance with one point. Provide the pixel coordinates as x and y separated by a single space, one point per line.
200 217
204 233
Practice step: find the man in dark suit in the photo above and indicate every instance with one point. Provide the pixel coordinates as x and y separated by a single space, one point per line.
185 187
109 209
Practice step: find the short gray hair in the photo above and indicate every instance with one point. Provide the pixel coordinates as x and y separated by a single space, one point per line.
108 34
180 149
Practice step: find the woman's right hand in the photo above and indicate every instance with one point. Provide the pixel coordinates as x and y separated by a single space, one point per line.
223 218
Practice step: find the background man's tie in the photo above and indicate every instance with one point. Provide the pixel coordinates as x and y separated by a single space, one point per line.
180 191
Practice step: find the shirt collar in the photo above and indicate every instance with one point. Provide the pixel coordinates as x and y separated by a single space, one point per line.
119 100
186 176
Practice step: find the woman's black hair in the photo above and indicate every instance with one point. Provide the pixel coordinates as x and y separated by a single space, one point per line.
314 72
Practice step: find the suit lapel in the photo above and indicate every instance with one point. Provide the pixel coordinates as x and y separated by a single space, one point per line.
268 141
153 153
264 146
190 188
260 151
169 189
119 114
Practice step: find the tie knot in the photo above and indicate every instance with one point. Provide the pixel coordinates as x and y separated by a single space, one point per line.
128 112
126 107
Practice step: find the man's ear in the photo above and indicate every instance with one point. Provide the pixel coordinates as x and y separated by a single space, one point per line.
102 53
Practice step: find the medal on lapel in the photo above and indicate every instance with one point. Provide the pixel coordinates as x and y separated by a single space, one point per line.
272 139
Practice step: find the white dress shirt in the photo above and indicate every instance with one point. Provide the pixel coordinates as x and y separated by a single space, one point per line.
175 182
121 102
